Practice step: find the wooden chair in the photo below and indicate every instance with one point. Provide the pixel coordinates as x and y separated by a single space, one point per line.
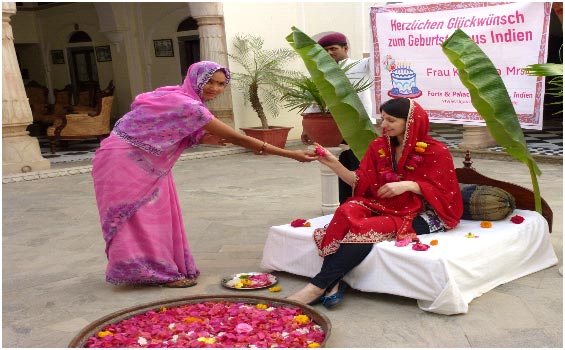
37 97
60 107
82 126
108 91
86 94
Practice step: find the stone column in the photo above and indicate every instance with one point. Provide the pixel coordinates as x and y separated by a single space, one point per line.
476 137
210 18
20 152
330 186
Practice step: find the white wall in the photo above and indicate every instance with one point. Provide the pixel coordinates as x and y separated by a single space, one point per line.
160 21
273 21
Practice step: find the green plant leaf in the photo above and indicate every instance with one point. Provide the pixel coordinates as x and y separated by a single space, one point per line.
263 77
554 85
490 98
544 69
336 89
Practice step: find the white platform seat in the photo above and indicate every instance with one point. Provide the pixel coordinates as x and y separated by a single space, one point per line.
445 278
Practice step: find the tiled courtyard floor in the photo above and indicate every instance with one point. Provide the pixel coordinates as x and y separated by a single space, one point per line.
53 259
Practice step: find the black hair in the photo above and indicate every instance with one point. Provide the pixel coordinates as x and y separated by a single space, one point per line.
396 107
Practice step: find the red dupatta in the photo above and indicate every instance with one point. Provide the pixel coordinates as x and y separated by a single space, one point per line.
423 160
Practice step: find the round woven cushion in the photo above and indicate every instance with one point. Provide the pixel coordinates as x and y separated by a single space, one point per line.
482 202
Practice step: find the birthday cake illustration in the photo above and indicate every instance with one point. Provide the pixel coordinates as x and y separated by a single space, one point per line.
403 79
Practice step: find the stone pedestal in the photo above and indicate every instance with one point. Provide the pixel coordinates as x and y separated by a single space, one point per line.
20 152
330 187
476 137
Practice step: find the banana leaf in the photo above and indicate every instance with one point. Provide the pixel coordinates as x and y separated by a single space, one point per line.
340 96
490 98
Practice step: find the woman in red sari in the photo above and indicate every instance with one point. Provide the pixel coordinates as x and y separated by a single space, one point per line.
405 186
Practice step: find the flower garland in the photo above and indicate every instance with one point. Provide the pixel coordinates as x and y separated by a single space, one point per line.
213 324
415 159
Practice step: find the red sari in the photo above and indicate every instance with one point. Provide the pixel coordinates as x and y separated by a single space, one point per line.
367 218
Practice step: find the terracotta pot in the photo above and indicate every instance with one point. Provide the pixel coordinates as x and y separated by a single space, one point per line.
79 341
274 135
322 128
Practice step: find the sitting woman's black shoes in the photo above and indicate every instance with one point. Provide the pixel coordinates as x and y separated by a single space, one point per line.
329 301
316 301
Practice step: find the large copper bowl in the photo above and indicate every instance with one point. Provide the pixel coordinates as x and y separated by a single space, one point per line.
79 341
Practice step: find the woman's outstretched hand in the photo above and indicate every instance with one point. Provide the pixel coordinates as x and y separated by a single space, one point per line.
305 155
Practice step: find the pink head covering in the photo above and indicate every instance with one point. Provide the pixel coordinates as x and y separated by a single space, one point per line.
159 120
332 39
197 76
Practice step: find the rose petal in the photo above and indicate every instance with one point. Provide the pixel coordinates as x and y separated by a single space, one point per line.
298 222
420 247
320 151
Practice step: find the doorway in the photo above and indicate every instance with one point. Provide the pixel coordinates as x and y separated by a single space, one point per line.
83 70
189 52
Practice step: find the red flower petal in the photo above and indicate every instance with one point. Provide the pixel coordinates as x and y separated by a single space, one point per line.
298 223
517 219
321 152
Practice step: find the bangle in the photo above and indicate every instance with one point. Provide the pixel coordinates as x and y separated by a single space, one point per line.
263 148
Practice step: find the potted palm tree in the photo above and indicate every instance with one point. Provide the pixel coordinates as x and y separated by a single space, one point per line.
262 81
304 96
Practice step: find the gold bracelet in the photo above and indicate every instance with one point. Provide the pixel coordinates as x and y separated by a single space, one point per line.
262 150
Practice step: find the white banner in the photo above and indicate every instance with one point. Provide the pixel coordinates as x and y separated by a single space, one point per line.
409 62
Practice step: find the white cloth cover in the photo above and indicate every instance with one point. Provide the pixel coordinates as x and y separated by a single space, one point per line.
445 278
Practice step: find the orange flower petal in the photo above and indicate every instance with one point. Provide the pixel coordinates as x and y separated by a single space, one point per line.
486 224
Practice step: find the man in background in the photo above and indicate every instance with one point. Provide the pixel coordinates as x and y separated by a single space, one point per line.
336 46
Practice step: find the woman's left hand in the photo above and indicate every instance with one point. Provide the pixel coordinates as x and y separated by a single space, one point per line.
393 189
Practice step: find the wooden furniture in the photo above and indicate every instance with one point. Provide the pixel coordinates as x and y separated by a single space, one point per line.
37 97
82 126
523 196
60 107
86 94
108 91
464 263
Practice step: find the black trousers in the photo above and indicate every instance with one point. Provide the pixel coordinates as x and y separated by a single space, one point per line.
336 265
348 159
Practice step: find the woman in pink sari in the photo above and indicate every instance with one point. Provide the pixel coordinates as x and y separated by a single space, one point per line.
135 192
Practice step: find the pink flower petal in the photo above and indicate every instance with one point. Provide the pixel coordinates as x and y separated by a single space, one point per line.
420 247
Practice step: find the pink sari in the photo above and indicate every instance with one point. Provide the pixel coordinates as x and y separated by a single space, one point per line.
135 192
